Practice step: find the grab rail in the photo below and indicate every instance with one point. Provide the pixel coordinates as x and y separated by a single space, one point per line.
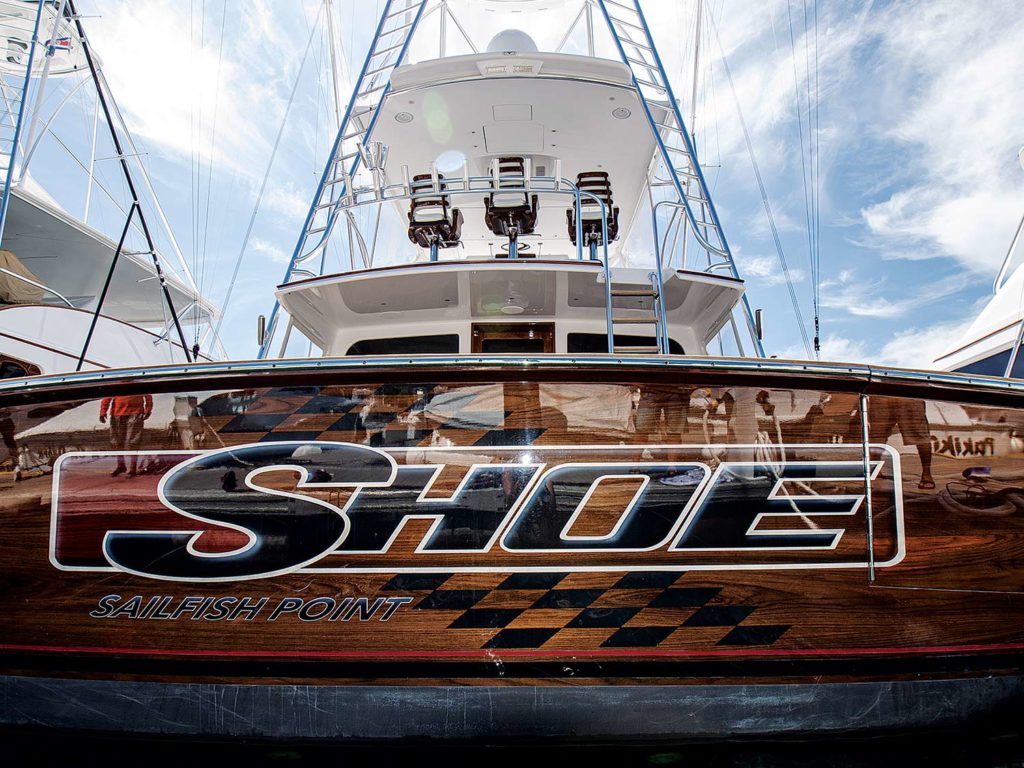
24 279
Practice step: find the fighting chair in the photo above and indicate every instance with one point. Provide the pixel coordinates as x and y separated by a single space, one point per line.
596 183
433 223
511 214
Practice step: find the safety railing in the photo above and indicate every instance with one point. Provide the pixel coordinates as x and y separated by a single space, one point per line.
379 194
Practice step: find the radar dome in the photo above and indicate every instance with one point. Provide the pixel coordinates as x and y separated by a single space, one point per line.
512 40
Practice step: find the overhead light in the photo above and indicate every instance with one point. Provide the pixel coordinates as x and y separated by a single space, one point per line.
621 113
404 117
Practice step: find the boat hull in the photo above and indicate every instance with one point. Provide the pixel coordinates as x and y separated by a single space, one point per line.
506 550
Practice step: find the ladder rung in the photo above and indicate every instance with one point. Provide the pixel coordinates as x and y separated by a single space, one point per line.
640 47
649 292
642 63
317 231
628 24
630 8
641 81
372 72
396 29
389 49
667 127
376 88
677 150
635 320
400 11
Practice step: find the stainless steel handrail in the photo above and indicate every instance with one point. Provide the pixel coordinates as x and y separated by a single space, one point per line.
865 372
489 184
24 279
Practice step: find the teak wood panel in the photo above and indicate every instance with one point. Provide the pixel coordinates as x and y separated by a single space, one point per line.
938 571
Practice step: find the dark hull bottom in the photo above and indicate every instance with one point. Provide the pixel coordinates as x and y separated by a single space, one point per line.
577 714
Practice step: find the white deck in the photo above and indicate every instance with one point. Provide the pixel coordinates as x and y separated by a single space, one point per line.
336 311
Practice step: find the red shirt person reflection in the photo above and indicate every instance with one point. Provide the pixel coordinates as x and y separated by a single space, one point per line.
128 414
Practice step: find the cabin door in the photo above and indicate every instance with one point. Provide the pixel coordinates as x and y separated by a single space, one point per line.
513 338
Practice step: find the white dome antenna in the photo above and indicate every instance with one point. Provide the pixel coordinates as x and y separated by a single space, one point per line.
512 41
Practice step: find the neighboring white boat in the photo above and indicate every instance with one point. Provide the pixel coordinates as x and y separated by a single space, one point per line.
54 265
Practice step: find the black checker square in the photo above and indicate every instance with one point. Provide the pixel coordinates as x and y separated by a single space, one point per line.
350 422
754 635
531 580
509 437
568 598
451 599
254 422
719 616
486 618
638 637
602 618
330 404
399 437
521 638
404 582
273 437
684 597
648 580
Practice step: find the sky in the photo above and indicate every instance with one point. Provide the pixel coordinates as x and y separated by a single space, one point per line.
919 108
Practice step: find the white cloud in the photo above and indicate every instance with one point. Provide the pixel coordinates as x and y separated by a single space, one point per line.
861 297
766 270
274 252
912 348
170 75
834 348
953 100
919 347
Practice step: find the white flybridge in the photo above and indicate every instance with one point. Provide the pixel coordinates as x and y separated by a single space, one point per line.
83 282
552 202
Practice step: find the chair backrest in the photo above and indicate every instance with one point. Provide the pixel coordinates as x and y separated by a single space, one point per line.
511 171
429 208
595 183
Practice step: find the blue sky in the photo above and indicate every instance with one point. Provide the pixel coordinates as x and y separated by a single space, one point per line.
920 108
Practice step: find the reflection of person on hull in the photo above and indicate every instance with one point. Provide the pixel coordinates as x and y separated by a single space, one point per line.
128 414
908 415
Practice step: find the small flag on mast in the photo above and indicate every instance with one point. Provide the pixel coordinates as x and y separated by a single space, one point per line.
58 44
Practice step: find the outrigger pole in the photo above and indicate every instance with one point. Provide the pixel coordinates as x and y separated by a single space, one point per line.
136 207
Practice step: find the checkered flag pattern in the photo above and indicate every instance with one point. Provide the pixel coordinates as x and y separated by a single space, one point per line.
636 610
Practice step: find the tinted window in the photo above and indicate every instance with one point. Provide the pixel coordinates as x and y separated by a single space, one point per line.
996 365
407 345
598 342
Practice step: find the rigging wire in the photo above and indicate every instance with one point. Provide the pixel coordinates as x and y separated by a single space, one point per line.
266 177
204 261
816 277
803 162
764 194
